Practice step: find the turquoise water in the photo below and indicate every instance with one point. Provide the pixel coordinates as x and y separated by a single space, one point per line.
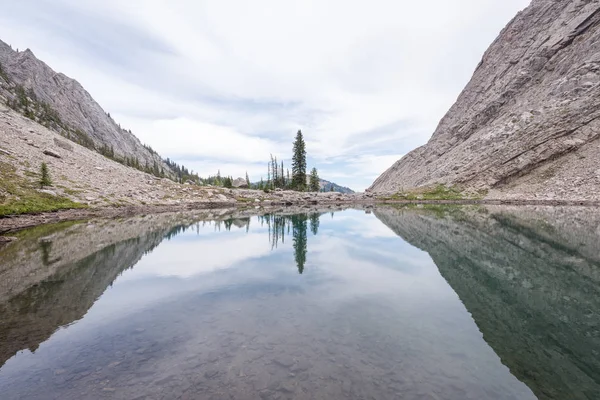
441 303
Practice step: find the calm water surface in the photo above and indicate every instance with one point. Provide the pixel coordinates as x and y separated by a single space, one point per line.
441 303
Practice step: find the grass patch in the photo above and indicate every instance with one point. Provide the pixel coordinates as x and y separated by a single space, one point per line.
438 192
244 200
37 204
120 203
44 230
20 196
69 191
457 212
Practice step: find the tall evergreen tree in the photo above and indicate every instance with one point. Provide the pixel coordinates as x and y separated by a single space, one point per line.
299 163
45 176
247 179
314 181
273 169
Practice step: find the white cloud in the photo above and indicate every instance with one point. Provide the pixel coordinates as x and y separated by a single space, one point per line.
211 253
374 165
231 81
187 137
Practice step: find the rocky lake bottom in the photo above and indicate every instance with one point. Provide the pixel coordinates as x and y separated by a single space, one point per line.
406 302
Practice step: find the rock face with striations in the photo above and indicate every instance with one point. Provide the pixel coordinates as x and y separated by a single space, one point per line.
527 125
74 106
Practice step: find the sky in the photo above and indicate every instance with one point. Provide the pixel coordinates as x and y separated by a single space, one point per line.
222 84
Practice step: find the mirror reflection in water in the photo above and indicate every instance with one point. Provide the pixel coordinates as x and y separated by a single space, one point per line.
389 302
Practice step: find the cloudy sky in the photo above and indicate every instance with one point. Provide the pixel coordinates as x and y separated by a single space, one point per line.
221 84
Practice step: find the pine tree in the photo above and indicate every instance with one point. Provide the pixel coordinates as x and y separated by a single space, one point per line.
275 171
45 176
299 163
247 179
314 181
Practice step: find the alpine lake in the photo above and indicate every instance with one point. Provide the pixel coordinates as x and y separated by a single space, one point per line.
405 302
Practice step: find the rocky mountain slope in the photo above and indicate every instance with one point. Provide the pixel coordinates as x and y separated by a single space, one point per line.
527 126
63 105
87 178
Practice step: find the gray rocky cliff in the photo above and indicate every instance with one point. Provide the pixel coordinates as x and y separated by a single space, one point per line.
530 277
528 123
77 111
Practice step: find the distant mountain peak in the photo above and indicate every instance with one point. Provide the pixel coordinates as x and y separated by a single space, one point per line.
326 186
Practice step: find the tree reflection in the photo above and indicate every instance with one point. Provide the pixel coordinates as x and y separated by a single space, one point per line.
279 225
46 249
300 224
314 223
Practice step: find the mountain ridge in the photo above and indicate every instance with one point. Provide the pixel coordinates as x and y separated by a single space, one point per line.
326 186
528 123
62 104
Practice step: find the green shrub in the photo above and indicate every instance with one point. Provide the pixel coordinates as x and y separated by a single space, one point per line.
45 179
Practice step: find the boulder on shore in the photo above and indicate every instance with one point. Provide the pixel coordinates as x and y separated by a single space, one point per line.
240 183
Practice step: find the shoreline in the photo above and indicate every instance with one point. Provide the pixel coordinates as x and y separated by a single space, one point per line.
512 202
14 223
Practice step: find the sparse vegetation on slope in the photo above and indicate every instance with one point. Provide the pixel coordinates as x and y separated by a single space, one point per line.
438 192
18 195
48 100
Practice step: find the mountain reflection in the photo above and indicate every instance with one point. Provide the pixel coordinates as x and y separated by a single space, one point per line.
65 275
54 274
530 277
